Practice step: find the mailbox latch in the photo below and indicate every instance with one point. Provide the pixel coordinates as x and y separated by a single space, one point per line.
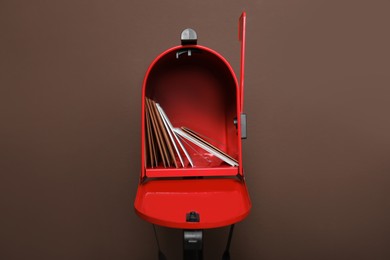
243 125
192 216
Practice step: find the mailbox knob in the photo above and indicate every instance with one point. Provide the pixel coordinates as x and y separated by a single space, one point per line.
188 36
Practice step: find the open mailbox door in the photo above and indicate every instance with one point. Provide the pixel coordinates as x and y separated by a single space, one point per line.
192 104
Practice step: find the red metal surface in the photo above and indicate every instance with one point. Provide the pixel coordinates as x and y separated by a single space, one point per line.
219 202
192 172
199 91
242 38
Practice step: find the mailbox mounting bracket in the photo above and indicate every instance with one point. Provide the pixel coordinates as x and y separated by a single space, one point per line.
193 245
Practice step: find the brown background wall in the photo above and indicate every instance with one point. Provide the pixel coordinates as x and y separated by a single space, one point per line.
317 98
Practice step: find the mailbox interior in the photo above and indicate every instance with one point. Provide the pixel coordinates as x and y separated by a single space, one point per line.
197 88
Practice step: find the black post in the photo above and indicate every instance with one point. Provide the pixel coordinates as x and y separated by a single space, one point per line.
226 254
161 256
193 245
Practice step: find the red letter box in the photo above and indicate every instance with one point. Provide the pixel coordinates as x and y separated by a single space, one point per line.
192 175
